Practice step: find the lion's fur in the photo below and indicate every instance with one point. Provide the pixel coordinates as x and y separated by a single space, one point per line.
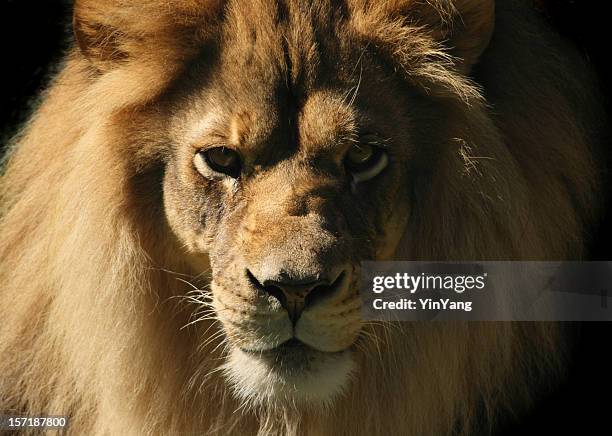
89 323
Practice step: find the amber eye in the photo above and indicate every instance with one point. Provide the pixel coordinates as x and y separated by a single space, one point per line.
222 160
365 161
360 154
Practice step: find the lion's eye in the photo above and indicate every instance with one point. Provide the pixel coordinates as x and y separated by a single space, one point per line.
360 154
365 161
222 160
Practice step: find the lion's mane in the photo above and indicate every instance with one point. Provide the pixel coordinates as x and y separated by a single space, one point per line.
89 323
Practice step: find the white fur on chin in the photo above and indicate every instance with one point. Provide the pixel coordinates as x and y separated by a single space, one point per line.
256 382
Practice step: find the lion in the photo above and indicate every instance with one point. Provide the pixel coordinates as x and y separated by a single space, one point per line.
184 216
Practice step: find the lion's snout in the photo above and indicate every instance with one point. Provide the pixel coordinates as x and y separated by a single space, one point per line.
293 277
298 288
296 294
261 314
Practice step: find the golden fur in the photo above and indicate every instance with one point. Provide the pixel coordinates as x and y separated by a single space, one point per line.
98 256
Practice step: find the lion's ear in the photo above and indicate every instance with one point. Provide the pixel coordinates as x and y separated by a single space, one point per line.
102 31
464 27
111 31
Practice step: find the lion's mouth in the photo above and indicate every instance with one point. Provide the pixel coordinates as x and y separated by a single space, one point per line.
291 357
292 372
278 353
292 345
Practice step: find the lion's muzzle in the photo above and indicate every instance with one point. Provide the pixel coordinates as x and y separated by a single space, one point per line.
284 285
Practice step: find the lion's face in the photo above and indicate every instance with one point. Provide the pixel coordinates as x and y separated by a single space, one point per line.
282 177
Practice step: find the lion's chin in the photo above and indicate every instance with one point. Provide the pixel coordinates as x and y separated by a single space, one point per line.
292 374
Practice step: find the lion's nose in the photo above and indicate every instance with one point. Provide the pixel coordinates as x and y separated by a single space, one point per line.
295 295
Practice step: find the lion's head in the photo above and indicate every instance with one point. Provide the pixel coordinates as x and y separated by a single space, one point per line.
291 158
282 171
259 151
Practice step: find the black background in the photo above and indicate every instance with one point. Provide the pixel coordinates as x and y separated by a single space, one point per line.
35 33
